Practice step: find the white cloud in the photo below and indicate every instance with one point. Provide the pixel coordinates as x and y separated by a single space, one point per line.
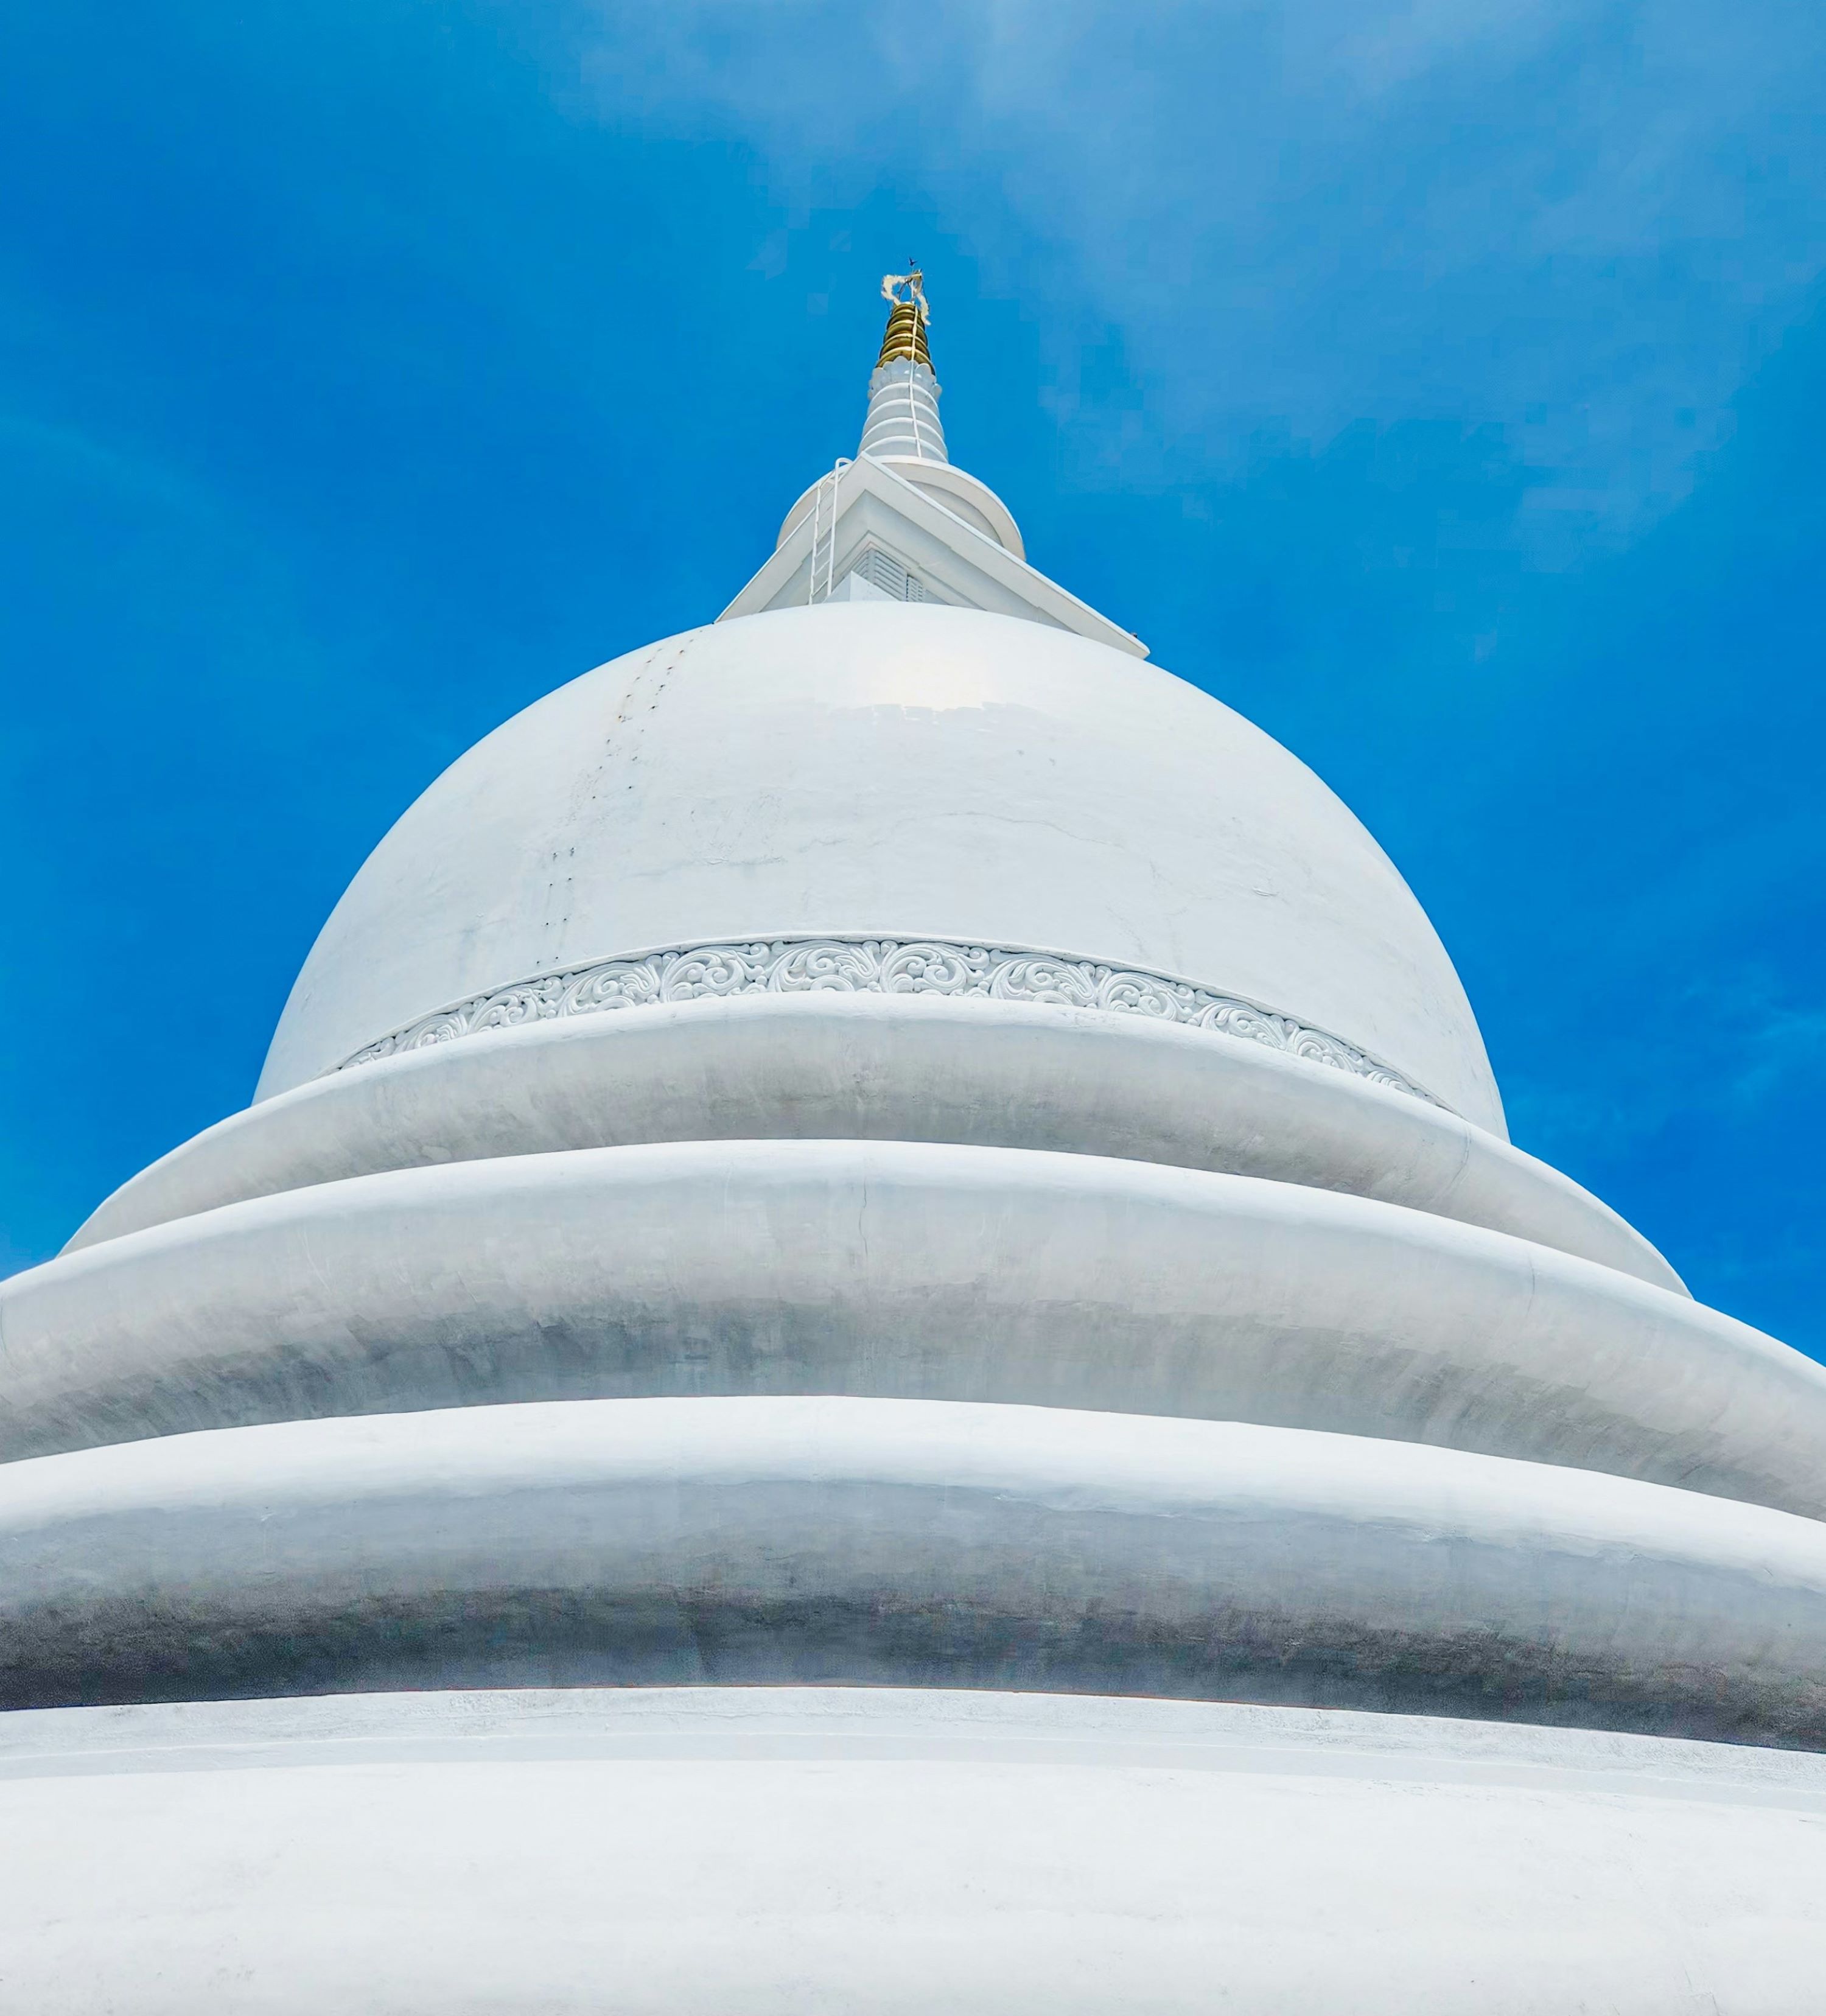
1587 225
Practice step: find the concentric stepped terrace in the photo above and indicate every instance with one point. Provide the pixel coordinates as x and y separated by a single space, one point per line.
1196 1517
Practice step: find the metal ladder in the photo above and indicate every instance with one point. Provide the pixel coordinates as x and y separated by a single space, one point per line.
824 534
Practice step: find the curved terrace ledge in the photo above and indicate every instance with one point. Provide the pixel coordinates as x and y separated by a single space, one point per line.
1042 1855
892 1724
907 1269
900 1542
881 1066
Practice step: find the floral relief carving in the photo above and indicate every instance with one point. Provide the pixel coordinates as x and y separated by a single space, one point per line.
876 966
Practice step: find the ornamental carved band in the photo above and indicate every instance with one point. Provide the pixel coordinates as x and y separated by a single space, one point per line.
876 966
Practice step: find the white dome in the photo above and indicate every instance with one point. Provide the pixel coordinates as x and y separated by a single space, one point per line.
1033 1292
900 770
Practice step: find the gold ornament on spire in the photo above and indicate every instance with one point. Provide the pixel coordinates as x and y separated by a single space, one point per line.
907 316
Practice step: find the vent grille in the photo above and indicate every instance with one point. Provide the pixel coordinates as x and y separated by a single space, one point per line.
881 569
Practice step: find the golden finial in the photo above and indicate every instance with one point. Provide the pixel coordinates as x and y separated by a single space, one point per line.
907 317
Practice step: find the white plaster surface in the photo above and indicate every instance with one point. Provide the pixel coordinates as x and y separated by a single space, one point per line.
902 419
949 540
830 1065
900 1269
972 499
899 768
955 489
788 1851
476 1724
902 1543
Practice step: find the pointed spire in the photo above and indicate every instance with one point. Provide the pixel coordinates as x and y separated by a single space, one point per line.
906 319
903 394
902 522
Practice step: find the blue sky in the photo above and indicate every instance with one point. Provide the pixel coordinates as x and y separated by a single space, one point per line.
1443 385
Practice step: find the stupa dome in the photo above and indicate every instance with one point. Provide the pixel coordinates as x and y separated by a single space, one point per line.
877 1263
899 770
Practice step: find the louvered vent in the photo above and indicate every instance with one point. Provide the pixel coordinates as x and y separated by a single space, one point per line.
881 569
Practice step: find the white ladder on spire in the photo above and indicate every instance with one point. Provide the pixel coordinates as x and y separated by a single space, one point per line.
824 533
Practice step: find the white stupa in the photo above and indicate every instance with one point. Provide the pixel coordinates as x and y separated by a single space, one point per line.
874 1347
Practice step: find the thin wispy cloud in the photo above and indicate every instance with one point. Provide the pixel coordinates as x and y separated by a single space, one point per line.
1252 198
